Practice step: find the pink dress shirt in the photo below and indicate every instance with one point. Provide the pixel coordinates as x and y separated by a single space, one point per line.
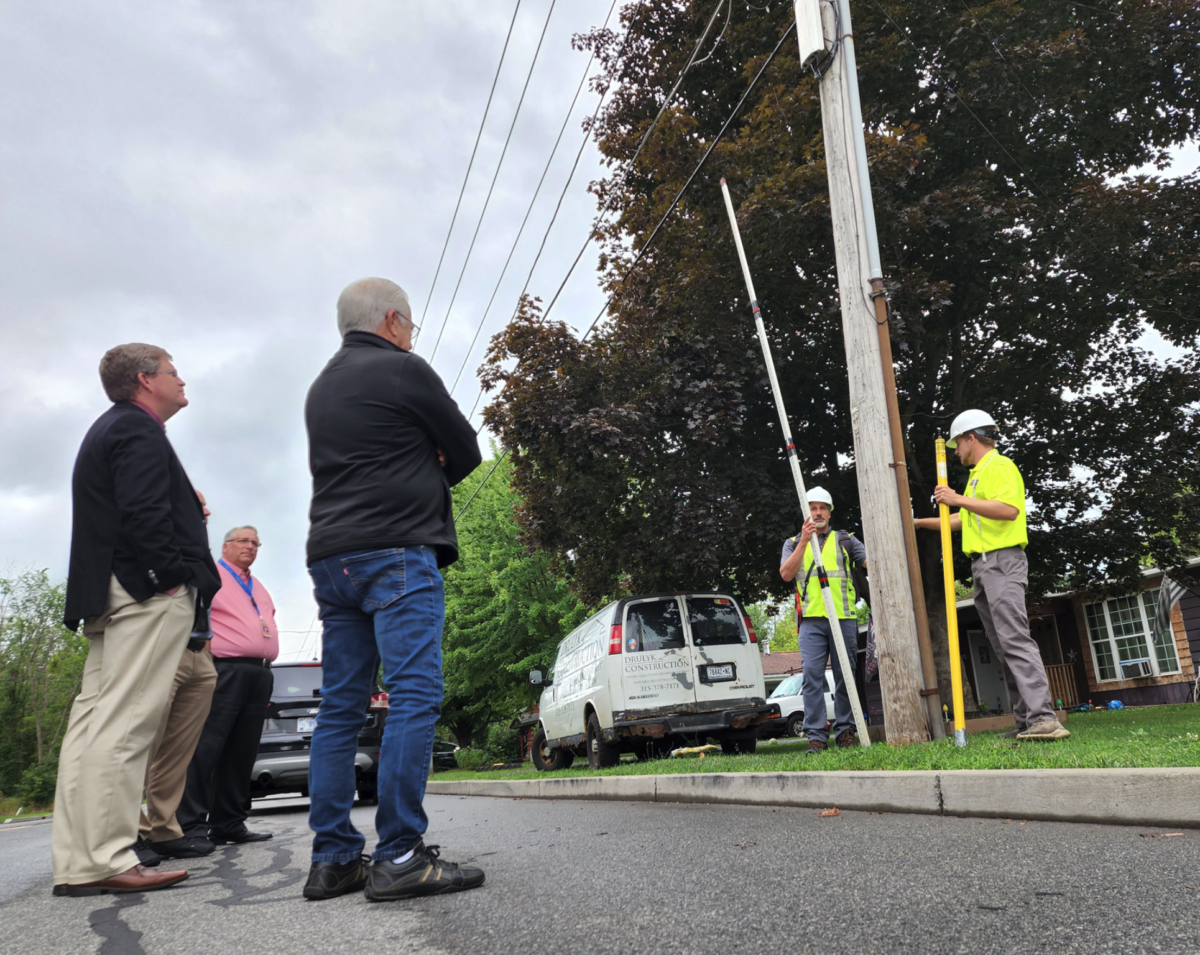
237 629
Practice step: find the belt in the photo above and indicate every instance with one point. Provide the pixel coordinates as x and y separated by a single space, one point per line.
256 661
196 644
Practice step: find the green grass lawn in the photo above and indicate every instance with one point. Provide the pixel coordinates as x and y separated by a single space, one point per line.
10 804
1153 736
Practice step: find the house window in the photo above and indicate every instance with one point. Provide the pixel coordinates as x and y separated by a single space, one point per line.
1124 646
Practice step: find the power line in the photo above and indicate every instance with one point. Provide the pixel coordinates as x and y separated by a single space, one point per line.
532 202
633 159
657 228
474 150
499 165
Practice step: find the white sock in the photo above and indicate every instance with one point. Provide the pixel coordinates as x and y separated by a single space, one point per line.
404 858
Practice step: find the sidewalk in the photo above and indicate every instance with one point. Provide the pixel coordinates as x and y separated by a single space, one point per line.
1131 797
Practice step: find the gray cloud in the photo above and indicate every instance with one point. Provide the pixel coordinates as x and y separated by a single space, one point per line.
208 176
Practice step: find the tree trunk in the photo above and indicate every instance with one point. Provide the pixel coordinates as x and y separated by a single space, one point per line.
930 548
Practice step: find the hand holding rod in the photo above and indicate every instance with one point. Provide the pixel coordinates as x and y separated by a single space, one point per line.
835 630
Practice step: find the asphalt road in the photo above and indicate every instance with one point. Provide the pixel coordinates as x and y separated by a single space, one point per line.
608 877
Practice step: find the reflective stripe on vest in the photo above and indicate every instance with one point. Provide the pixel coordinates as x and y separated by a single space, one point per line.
841 587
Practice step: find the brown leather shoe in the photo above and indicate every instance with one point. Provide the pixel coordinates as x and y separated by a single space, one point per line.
137 879
845 739
815 748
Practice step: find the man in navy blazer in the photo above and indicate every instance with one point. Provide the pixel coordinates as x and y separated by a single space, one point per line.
139 580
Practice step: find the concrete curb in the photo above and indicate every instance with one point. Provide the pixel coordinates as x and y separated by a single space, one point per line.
21 822
1127 797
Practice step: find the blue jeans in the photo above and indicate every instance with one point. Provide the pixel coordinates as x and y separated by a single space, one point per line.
817 646
376 605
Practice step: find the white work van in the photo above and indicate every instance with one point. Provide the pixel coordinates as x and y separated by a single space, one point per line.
646 673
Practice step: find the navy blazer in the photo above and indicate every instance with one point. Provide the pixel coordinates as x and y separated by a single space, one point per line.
135 515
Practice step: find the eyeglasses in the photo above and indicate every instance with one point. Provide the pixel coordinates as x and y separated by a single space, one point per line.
168 371
244 541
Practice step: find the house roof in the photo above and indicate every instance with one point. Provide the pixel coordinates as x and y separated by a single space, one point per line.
784 661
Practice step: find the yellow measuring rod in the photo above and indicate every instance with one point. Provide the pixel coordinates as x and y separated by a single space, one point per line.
956 689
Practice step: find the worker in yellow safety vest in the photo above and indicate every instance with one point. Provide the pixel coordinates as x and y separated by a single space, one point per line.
991 517
839 552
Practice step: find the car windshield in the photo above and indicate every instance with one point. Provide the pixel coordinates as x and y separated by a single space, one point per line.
653 625
714 621
789 687
298 682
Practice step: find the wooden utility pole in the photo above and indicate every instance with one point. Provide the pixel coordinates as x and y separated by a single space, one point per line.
906 717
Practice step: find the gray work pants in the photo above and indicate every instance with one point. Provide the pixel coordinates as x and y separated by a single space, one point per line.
1000 583
816 646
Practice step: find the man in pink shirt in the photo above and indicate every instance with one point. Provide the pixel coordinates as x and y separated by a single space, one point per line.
245 640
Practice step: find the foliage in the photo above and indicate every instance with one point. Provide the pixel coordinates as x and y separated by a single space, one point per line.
503 744
506 611
1105 739
469 758
1022 265
41 665
785 636
38 783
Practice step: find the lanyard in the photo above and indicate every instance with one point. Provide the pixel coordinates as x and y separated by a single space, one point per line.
249 590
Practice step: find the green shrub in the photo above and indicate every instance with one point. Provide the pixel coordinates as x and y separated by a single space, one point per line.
38 783
470 758
503 744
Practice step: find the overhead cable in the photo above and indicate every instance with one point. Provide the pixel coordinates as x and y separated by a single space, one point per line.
499 165
474 150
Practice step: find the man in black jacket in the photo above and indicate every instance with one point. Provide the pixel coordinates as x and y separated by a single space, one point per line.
140 575
386 443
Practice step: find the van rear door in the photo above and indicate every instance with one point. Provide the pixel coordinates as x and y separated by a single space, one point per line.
656 661
727 664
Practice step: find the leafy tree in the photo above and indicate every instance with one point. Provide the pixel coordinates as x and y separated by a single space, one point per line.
505 612
1022 266
41 666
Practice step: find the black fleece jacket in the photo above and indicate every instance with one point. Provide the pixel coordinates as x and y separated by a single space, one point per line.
376 417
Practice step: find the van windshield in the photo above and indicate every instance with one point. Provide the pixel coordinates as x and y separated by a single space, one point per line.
714 621
789 687
654 625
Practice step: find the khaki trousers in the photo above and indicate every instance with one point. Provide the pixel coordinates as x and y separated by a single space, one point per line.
131 663
173 746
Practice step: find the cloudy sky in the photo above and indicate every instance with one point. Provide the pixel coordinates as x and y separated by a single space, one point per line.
209 175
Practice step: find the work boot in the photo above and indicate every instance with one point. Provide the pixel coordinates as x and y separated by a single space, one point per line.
328 880
422 874
845 739
815 748
1045 729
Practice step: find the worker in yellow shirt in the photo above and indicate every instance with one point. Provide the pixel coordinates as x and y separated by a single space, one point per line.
991 517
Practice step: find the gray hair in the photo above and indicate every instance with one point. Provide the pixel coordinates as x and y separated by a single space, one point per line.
230 534
363 304
121 365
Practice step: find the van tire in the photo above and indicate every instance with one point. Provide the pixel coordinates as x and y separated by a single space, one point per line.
795 726
600 753
739 744
547 759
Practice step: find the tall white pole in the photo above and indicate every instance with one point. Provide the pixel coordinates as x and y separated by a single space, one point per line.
835 631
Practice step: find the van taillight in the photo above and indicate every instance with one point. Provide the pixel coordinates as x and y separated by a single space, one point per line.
750 628
614 639
379 701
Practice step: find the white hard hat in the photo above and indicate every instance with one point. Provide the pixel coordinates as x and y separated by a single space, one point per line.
970 420
816 494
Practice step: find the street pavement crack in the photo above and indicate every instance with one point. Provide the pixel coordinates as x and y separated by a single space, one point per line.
119 938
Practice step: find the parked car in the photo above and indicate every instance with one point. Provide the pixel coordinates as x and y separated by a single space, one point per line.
648 672
443 756
789 696
283 753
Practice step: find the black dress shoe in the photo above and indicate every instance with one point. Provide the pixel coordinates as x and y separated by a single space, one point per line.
146 854
185 847
328 880
237 838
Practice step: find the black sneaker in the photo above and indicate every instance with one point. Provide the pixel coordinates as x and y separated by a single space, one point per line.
328 880
423 874
185 847
145 853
